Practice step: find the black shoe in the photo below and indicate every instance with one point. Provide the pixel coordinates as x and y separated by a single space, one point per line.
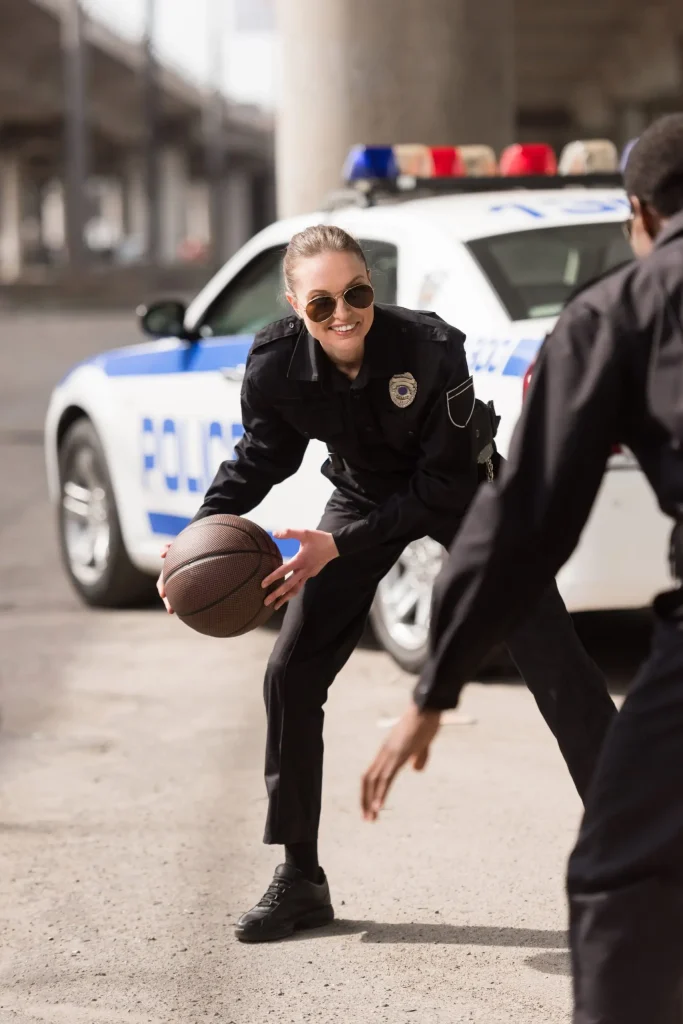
289 903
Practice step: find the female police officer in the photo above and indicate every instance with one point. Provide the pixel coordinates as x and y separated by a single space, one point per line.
389 391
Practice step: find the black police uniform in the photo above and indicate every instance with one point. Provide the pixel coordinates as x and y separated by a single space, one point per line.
612 371
404 466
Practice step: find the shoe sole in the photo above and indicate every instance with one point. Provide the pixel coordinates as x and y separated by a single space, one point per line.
317 918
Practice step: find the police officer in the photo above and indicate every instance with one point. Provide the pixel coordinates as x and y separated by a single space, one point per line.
612 371
389 391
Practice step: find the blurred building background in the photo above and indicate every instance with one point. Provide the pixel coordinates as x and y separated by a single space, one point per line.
157 134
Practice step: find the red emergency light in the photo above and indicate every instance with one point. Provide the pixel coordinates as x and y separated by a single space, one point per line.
447 162
524 158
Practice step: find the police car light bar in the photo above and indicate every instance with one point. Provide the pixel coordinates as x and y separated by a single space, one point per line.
403 170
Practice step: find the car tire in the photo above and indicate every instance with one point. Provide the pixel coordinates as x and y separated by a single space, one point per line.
400 612
90 538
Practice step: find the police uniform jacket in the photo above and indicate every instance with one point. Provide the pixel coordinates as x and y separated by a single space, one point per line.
401 432
610 373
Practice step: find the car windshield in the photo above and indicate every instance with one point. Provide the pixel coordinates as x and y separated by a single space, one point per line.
536 272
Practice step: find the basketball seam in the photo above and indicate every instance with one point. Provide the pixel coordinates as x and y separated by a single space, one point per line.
223 597
205 558
245 628
240 529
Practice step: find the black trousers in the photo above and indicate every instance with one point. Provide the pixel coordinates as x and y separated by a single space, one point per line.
625 878
322 626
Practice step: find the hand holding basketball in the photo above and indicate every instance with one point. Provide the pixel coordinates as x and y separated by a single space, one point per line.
160 582
317 549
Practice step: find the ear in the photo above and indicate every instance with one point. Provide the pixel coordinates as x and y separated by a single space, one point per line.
291 299
652 222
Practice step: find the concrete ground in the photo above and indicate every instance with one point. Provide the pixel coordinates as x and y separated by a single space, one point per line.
132 803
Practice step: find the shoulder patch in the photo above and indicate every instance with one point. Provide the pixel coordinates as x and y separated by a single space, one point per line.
288 327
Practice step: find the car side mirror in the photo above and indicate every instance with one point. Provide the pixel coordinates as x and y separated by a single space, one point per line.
165 319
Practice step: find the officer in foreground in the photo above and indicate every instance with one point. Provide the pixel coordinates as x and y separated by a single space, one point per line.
389 391
611 372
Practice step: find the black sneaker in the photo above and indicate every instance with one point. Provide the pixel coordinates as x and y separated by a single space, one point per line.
289 903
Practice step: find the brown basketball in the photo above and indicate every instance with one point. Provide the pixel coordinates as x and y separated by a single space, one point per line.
213 574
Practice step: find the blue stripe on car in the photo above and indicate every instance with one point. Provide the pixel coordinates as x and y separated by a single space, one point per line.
231 353
201 357
167 525
521 357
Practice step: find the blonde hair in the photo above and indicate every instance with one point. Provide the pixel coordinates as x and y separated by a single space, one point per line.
314 241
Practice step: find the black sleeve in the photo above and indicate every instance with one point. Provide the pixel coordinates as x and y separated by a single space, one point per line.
521 530
269 451
445 479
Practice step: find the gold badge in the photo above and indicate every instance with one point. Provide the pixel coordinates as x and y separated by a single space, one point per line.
402 389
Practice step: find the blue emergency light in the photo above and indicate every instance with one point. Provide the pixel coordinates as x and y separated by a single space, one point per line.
370 162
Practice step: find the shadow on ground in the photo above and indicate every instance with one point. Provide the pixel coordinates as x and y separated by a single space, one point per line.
550 963
445 934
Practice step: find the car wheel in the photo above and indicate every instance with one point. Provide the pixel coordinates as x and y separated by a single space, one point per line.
400 612
89 531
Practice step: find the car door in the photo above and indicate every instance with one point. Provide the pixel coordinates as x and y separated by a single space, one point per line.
185 401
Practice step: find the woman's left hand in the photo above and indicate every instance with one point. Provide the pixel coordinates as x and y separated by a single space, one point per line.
317 549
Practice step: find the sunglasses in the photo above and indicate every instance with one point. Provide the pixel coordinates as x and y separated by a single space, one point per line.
322 307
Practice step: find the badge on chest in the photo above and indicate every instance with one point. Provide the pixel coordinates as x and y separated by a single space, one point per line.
402 389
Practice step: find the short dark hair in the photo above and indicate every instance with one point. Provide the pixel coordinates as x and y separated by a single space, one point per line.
654 170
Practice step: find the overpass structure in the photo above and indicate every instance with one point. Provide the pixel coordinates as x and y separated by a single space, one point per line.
33 121
375 71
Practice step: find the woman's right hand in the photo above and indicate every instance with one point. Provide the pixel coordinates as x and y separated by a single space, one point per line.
160 582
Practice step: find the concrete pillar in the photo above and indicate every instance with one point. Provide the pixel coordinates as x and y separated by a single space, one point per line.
198 226
173 184
239 210
135 200
11 218
438 72
54 221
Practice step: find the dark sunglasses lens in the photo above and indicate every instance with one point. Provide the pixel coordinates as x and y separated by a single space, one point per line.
320 309
360 296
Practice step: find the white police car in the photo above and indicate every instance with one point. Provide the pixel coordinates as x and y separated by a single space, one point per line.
133 437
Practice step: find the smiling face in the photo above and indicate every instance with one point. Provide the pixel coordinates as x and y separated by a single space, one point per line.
342 336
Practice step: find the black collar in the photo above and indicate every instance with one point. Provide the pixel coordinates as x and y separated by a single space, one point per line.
384 353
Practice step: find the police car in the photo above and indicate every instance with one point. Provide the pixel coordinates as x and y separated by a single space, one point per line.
134 436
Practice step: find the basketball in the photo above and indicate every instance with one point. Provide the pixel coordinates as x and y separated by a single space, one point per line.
213 574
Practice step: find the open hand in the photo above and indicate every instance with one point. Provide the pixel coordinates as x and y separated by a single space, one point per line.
410 738
317 549
160 582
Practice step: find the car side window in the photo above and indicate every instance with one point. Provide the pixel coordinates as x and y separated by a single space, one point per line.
382 260
252 300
